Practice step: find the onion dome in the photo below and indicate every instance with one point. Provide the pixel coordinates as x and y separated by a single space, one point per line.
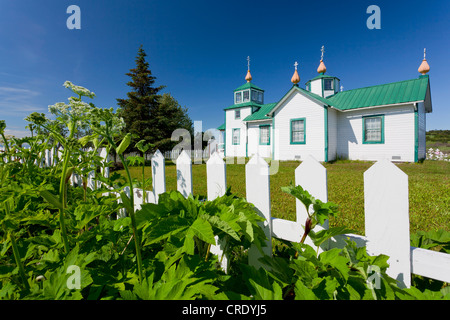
424 67
321 69
295 77
248 77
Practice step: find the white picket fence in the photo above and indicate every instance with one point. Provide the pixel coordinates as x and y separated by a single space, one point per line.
385 199
386 206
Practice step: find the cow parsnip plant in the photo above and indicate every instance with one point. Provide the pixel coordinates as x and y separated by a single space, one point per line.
161 251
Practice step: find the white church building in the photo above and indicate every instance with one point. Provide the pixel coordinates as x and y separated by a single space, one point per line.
386 121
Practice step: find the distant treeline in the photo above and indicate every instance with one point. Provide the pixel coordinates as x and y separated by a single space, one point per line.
439 139
442 136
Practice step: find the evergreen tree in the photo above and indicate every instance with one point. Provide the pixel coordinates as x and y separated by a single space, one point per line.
170 116
149 115
142 102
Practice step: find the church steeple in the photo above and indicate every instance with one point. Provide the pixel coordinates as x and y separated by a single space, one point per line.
248 93
323 85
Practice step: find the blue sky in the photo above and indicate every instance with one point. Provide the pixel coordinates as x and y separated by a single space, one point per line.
198 50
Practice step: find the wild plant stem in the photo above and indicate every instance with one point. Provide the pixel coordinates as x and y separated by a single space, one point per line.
19 262
133 221
63 199
17 255
6 146
207 252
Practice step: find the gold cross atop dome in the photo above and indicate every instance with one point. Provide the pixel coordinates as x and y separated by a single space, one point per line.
322 69
248 77
424 67
295 77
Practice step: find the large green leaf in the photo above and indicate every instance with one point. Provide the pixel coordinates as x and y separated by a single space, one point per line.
302 292
203 230
323 235
263 293
334 259
164 228
50 198
222 225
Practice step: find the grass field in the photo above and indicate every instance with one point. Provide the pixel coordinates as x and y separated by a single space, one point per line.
429 190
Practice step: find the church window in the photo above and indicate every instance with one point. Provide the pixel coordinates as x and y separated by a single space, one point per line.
264 134
237 114
238 97
246 95
298 131
328 84
236 136
373 129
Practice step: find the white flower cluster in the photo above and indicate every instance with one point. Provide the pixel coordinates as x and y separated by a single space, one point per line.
85 114
75 110
437 155
79 90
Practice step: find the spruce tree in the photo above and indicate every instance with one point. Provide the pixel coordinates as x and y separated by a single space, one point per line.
142 102
149 115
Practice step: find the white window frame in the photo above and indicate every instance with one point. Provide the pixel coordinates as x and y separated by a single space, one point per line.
236 138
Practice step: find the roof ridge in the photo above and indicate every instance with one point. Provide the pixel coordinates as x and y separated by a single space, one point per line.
377 85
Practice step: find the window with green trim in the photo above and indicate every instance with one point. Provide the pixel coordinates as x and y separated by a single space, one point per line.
373 129
246 95
264 134
236 136
238 97
298 133
328 84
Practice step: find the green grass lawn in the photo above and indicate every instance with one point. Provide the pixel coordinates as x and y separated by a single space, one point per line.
429 190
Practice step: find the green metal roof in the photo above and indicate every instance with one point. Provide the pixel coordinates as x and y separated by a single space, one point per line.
244 104
380 95
261 113
222 127
248 85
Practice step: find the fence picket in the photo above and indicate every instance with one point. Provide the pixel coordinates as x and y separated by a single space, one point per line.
257 184
184 174
311 175
216 187
216 177
386 206
158 174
